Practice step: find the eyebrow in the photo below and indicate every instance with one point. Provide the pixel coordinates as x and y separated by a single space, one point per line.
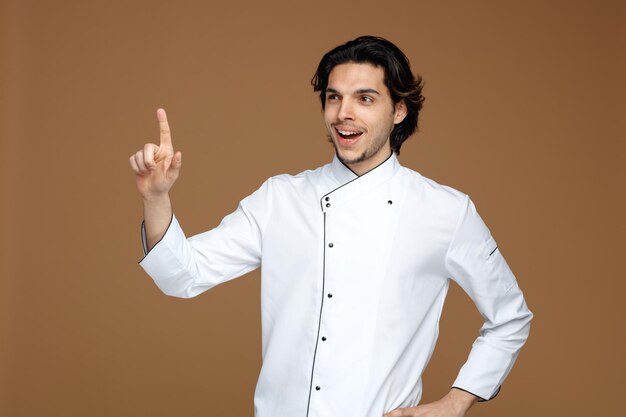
359 91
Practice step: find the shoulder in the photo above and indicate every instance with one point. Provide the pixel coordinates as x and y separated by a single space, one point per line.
294 182
288 187
430 192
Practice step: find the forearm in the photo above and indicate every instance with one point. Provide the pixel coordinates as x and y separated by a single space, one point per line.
157 214
185 267
495 351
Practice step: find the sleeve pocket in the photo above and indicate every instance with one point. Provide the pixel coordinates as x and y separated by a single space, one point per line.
491 247
497 266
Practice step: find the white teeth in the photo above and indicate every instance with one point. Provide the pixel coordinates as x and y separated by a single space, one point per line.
348 132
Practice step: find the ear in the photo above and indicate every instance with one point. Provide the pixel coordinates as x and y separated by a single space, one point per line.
400 112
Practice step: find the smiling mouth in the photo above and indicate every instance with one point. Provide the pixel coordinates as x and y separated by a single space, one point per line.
347 135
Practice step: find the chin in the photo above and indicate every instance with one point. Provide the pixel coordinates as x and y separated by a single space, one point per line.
351 158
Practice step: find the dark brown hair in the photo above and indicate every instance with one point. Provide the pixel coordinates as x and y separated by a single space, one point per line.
399 79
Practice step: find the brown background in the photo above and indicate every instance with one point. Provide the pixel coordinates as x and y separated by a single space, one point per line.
525 112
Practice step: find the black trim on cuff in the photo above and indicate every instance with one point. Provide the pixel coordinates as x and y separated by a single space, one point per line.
480 399
145 237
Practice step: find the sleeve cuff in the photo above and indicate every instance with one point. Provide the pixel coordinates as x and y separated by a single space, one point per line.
480 399
144 237
485 370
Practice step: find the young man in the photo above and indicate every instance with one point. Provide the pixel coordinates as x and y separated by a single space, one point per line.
357 256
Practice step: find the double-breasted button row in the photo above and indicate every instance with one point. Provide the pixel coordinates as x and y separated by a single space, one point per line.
327 199
329 295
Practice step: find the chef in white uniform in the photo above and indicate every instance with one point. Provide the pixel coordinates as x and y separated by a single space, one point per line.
356 257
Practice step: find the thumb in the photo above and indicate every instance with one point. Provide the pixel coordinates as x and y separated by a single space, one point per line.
177 162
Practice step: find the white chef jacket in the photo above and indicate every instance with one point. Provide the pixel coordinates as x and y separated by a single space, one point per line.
355 270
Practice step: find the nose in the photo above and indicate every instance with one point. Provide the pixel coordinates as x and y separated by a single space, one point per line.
346 110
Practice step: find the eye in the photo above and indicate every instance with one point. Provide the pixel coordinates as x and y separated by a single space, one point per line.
332 97
367 99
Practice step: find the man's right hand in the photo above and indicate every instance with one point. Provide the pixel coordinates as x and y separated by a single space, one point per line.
156 168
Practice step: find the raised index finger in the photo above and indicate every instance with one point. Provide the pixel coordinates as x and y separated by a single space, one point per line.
164 129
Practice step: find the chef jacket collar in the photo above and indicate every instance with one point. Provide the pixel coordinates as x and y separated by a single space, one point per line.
351 185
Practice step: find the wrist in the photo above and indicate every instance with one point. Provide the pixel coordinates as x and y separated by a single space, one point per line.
155 198
462 400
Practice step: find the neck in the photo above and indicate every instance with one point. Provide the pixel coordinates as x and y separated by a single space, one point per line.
363 167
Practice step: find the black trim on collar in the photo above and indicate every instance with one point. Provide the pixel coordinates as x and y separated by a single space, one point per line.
342 163
352 180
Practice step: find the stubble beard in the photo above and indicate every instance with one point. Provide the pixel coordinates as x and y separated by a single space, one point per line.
367 153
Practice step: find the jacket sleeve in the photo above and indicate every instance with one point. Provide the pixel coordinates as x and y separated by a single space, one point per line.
185 267
474 261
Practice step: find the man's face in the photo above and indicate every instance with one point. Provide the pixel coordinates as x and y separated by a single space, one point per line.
360 115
